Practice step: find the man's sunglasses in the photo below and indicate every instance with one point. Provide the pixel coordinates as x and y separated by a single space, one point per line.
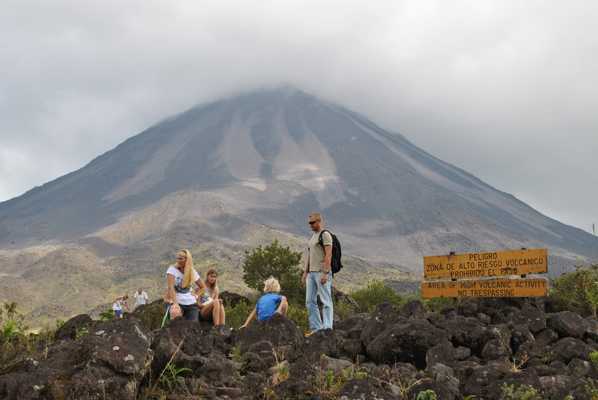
313 222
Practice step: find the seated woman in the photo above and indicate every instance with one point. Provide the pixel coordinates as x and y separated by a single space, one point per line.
180 278
210 304
269 304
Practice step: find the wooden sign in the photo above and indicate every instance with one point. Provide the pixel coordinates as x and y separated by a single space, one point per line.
480 265
485 288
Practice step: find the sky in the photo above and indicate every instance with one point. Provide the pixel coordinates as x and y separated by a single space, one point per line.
507 90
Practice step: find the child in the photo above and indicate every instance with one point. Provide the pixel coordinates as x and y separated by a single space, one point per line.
117 307
269 304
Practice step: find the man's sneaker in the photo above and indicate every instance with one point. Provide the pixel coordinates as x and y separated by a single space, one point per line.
309 333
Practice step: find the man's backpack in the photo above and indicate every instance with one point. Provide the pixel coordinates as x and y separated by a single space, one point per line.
335 263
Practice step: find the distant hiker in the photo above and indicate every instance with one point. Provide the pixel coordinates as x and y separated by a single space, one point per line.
125 302
117 307
210 304
269 304
140 297
317 275
180 278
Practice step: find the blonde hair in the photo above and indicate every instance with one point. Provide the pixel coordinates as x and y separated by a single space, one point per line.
271 285
316 216
189 270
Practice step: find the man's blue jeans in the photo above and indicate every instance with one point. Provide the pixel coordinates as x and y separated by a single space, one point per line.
315 289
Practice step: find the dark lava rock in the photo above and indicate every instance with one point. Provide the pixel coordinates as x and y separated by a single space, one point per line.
150 315
567 324
76 325
405 341
279 331
569 348
107 363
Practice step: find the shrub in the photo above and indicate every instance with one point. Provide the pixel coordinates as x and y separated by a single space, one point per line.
520 392
577 291
298 314
426 395
107 315
594 358
279 262
12 325
376 292
236 316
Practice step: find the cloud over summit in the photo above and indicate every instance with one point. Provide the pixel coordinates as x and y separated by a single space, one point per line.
505 90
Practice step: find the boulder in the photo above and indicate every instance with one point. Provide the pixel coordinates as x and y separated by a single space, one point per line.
569 348
467 332
446 385
567 324
413 309
591 328
405 341
150 314
495 349
557 386
360 389
579 368
76 326
279 331
190 340
109 362
384 316
545 337
533 317
445 353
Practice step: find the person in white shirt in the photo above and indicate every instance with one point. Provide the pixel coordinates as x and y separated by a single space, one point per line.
140 297
117 307
180 278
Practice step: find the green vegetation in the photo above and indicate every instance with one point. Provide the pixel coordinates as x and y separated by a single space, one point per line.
426 395
173 377
298 313
107 315
327 383
15 343
277 261
519 392
577 291
236 316
594 358
376 292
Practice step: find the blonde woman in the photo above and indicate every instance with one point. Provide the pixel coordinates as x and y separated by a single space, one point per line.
210 304
180 278
269 304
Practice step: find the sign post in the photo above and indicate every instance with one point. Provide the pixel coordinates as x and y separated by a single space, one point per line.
468 275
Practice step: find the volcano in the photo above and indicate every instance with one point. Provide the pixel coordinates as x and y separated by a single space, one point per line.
261 161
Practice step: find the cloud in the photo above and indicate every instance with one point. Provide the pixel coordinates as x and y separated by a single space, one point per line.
503 89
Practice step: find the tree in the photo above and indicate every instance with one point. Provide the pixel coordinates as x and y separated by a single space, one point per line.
277 261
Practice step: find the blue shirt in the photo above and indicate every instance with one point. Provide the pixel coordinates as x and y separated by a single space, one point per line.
267 305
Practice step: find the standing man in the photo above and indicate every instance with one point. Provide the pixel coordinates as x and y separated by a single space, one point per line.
141 297
317 275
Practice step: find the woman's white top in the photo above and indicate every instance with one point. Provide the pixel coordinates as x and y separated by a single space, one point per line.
184 296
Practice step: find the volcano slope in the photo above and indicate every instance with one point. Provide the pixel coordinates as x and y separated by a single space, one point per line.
224 176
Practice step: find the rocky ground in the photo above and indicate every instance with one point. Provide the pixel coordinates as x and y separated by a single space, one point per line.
479 349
